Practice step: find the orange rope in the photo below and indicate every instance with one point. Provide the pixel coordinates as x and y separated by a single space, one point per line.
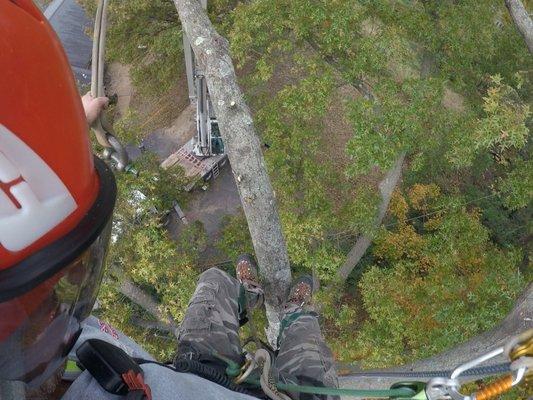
495 389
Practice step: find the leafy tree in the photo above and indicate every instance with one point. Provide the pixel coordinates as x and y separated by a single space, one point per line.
143 252
147 36
438 280
439 80
339 89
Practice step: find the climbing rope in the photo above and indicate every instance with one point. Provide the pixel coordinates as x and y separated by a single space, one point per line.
273 389
102 129
263 360
519 350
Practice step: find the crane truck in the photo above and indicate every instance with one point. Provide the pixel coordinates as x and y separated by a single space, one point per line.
203 155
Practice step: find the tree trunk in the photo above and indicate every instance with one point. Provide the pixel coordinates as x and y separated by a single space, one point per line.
244 152
386 188
522 21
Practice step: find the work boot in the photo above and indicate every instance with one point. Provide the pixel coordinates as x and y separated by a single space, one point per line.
300 294
248 275
247 271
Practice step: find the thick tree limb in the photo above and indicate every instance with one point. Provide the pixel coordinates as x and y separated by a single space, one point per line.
521 19
386 188
145 301
244 152
156 325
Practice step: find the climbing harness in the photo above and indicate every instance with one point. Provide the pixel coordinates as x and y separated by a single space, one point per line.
113 149
444 387
519 350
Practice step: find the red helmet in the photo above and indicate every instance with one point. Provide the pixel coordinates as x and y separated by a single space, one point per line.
56 200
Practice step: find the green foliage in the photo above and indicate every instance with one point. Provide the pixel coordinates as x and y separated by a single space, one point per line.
142 251
117 310
342 315
339 88
145 34
235 238
436 289
516 188
304 176
504 125
501 128
401 121
152 192
469 38
127 127
438 81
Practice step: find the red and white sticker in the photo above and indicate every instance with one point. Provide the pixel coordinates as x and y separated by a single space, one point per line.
33 200
106 328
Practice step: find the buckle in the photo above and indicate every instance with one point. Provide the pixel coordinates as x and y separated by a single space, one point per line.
135 382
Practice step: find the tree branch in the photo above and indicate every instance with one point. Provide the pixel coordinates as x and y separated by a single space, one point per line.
386 188
156 325
521 19
145 301
244 152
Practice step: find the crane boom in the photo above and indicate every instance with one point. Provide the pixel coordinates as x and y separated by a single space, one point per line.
203 155
208 141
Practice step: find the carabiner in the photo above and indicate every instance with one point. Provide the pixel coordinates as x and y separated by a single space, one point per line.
445 389
118 154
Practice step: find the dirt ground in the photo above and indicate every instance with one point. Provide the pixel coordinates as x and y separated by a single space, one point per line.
119 83
453 100
167 140
210 207
169 122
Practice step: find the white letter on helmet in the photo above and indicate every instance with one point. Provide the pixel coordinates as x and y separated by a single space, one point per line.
44 200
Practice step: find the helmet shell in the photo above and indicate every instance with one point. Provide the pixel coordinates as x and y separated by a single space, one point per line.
40 105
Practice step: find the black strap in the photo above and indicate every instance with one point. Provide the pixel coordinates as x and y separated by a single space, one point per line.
113 369
136 395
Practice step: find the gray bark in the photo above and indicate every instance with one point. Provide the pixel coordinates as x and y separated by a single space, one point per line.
386 188
521 19
156 325
244 152
145 301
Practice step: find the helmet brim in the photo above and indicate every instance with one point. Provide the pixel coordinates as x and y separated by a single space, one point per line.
44 298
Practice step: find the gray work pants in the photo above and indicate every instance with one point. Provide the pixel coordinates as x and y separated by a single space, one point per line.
211 324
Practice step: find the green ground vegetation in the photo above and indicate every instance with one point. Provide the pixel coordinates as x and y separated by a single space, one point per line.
146 36
339 90
143 252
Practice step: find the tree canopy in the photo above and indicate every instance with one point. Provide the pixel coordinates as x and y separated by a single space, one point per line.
339 90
